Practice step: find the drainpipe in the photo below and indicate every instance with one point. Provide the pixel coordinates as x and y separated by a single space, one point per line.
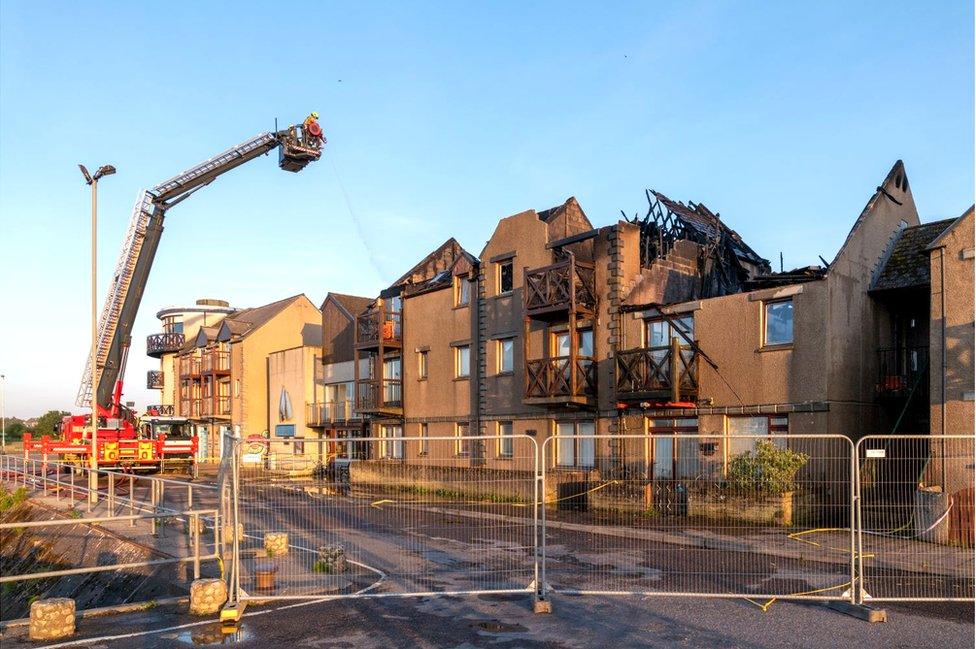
945 363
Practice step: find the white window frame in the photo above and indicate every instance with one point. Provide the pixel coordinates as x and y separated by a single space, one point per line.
459 352
500 356
571 449
462 447
423 364
391 450
423 431
462 289
506 440
765 323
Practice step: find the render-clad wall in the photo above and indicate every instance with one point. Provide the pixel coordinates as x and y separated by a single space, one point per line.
338 333
291 371
433 324
297 324
951 352
521 238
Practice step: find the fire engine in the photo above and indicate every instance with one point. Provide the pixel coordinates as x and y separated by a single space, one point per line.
157 442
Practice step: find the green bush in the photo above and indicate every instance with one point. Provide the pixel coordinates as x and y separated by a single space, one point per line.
9 499
767 472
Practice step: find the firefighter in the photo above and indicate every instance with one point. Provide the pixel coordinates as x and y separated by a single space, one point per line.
312 129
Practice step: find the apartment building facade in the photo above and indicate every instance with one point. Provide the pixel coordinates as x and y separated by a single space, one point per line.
661 327
223 370
177 324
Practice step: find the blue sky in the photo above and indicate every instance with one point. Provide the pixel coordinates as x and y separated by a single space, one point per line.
443 118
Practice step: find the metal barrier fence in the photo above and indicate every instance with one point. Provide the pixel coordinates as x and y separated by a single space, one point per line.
693 514
122 497
384 517
915 517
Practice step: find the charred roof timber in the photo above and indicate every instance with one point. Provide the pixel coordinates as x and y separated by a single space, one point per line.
725 262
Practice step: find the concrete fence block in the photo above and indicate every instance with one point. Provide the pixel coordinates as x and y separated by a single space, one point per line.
276 543
51 619
207 596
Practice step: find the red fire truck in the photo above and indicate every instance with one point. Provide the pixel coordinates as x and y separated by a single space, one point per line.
156 443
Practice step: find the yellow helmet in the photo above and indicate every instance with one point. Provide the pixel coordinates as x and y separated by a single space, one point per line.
315 115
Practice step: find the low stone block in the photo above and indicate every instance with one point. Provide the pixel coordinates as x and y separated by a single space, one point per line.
276 543
51 619
332 559
207 596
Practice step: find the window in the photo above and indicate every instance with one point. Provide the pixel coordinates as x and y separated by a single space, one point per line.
462 292
391 448
671 452
505 278
424 441
462 361
744 432
506 441
778 319
462 446
658 333
391 380
505 349
572 451
237 388
422 364
584 343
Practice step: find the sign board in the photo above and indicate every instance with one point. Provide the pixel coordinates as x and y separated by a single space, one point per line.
875 452
285 430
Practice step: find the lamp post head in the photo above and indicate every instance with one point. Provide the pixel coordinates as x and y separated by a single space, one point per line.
104 170
84 172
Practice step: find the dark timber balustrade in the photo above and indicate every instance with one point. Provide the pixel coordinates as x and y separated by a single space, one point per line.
566 285
648 373
560 379
166 343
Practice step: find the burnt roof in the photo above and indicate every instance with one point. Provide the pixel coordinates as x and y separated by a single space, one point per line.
907 265
709 225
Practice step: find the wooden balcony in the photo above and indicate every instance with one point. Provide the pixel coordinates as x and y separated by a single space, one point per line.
165 343
154 380
191 366
379 397
902 370
560 380
215 362
647 374
379 328
325 414
553 291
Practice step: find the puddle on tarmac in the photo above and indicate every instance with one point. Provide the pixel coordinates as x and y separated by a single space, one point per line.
494 626
213 636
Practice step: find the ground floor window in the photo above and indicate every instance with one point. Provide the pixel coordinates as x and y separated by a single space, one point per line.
392 449
573 450
424 433
673 448
744 432
462 447
506 439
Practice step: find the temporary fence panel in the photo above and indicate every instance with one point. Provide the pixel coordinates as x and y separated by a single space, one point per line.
388 516
915 509
765 516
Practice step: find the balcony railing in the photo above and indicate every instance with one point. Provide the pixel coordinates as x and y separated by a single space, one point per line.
568 284
165 343
382 396
154 380
321 414
560 379
901 369
649 373
379 326
191 366
215 361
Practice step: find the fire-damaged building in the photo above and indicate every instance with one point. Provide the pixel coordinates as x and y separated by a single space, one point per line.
668 326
